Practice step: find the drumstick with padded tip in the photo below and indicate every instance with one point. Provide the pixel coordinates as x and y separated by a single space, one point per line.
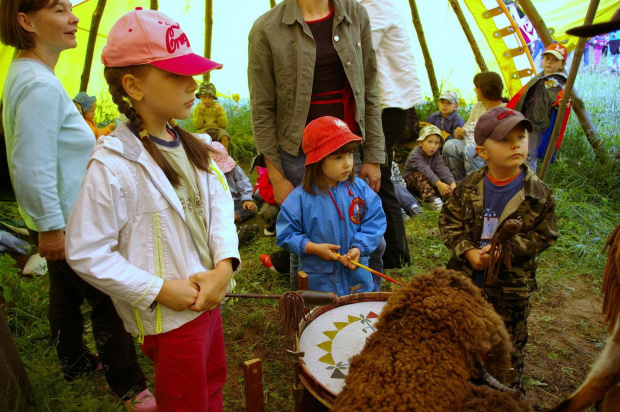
371 270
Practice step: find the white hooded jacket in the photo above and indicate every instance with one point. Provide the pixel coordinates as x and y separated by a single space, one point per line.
127 231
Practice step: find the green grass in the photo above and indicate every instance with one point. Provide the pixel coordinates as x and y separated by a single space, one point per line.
588 207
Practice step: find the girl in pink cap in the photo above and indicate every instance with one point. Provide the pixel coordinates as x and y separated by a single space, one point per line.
153 225
331 211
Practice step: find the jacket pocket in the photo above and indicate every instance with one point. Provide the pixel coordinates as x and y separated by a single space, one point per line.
314 264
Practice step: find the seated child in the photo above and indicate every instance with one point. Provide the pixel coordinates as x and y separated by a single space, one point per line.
238 183
331 211
406 200
209 117
504 189
425 172
263 194
447 118
87 106
538 100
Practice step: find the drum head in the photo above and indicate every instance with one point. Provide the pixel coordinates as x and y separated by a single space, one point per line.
335 336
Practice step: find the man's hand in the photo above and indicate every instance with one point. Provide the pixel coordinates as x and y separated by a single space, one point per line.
281 190
52 245
373 173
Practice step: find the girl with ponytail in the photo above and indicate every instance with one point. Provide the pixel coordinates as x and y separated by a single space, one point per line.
153 225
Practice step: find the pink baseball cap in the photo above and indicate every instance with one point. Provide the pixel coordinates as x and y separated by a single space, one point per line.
221 157
150 37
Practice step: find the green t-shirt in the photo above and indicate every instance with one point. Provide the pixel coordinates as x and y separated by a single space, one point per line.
189 195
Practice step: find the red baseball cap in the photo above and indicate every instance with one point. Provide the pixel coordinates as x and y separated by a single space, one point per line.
557 50
150 37
325 135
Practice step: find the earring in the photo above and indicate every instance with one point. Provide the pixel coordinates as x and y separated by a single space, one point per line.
143 133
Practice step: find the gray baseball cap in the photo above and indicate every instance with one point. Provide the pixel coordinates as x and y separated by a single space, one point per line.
497 122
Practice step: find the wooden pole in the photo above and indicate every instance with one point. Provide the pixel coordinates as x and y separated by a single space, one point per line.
568 88
208 33
272 3
90 47
578 107
154 5
428 62
253 380
469 35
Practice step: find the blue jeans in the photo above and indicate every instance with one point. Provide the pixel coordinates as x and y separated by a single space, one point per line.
461 159
294 170
405 199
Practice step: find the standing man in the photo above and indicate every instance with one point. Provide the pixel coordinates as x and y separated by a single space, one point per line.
399 90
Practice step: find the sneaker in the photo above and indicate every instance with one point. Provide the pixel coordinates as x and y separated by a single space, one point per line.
267 232
414 210
266 259
436 204
143 402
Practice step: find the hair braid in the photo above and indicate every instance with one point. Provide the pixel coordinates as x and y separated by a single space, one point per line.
114 76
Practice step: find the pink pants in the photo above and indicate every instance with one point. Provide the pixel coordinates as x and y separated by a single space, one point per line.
598 52
190 365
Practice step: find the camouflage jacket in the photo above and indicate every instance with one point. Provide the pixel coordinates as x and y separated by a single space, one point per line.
461 222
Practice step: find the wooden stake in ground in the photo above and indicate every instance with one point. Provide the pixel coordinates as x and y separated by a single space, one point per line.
90 47
428 62
469 35
578 106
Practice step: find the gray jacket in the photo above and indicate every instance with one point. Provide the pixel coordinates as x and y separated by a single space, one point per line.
281 56
432 167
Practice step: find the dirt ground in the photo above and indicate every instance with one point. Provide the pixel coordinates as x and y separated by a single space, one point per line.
566 336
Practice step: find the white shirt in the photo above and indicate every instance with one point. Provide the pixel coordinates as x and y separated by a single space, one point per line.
397 76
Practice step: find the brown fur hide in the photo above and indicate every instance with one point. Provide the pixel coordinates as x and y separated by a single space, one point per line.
428 340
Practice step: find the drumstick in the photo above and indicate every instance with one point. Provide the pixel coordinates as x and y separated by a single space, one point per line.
370 270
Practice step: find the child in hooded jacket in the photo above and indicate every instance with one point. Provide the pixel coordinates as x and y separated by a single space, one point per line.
332 211
153 224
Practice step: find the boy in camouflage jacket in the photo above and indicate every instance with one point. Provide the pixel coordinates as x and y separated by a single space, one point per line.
504 189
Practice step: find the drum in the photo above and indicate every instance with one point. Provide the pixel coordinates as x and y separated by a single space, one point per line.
330 336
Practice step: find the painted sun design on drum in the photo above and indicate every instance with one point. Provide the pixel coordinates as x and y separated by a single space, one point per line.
350 331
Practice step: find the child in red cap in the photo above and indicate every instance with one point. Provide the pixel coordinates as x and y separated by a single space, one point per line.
153 225
331 211
538 100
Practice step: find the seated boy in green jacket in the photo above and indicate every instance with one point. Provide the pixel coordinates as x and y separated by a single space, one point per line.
209 116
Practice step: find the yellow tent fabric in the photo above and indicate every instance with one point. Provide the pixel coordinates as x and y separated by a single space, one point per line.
558 17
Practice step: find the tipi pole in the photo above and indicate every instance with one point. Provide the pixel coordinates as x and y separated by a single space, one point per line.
154 5
428 62
469 35
90 47
578 106
208 33
568 88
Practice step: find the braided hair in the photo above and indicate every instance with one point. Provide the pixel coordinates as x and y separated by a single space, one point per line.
198 152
